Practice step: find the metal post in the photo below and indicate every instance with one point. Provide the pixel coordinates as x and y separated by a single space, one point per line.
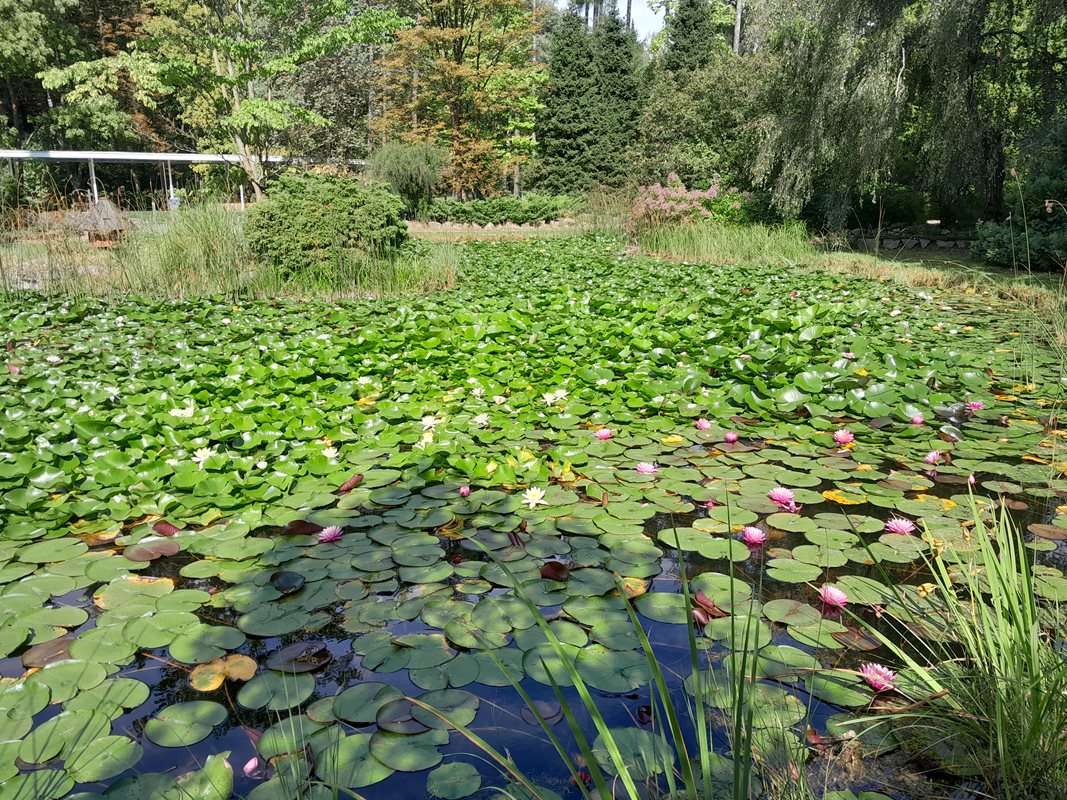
242 188
92 181
170 179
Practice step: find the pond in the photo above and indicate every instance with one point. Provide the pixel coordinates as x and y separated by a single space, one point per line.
238 538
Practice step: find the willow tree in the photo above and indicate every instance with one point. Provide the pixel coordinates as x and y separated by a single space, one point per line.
957 82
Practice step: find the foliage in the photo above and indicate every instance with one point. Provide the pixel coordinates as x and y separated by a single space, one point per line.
659 205
222 64
566 137
590 105
1035 234
312 223
696 33
788 243
699 124
462 78
412 170
503 210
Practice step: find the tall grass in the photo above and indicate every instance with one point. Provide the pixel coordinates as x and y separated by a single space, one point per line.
992 685
714 243
200 251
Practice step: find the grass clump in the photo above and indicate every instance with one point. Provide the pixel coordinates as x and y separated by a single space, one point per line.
715 243
989 674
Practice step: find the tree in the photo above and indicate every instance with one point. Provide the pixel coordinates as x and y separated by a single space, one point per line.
459 78
566 136
224 63
618 98
695 33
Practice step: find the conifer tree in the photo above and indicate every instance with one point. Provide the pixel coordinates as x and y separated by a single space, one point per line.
693 36
566 136
615 62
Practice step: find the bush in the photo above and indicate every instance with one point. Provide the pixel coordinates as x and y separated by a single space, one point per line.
503 210
659 205
313 222
1042 243
412 170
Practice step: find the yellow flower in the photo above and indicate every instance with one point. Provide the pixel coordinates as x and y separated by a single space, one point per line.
927 589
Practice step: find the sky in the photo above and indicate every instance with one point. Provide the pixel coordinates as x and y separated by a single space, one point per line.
646 21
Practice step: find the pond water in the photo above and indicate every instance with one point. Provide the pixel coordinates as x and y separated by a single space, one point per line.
180 498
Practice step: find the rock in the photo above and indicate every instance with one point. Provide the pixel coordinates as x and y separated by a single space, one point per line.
945 244
891 244
924 242
489 226
871 244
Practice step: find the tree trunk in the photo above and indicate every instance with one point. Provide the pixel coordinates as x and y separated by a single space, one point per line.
739 9
516 189
629 15
13 104
995 207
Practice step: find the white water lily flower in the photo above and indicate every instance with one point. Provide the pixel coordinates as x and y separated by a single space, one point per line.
364 380
429 422
53 359
185 412
896 312
477 391
330 452
499 399
482 420
202 454
534 497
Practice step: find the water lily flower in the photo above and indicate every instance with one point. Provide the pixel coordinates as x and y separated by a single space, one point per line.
534 497
782 496
710 504
974 406
330 452
477 391
896 312
482 420
917 419
900 526
971 479
702 424
646 468
429 422
794 294
848 354
185 412
753 536
499 399
880 678
464 491
251 767
730 437
202 454
933 457
844 436
261 465
331 533
832 596
746 357
604 434
53 359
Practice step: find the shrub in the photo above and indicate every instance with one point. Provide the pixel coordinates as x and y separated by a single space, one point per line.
313 222
503 210
412 170
659 205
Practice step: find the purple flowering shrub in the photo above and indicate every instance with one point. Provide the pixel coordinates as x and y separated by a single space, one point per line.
661 205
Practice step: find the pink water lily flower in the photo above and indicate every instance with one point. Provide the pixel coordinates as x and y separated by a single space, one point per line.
251 767
331 534
844 436
900 526
730 437
881 679
917 419
785 499
933 457
646 468
464 491
702 424
975 405
753 536
710 504
971 479
848 354
604 434
832 596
